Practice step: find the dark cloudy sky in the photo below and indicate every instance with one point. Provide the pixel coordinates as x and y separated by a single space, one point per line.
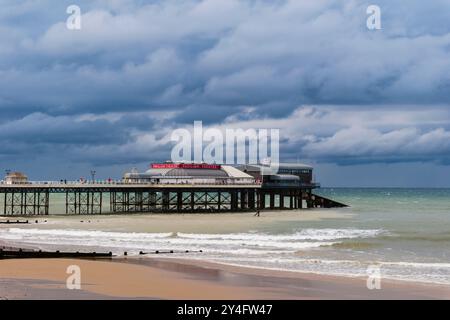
367 108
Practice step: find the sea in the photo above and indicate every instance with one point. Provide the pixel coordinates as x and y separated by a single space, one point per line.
404 234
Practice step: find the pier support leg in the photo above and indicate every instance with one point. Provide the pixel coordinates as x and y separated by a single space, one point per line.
152 201
300 199
219 200
251 199
234 200
291 200
192 201
179 201
244 200
165 201
262 200
272 200
83 202
26 202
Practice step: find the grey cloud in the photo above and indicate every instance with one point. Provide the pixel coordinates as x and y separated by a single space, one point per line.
226 62
362 145
237 53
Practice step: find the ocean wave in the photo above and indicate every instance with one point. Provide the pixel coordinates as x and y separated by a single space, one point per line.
303 234
166 240
355 245
433 237
87 233
300 240
435 273
260 250
437 265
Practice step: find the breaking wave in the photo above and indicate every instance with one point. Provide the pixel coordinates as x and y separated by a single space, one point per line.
300 240
261 250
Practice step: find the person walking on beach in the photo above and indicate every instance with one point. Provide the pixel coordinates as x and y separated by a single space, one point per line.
257 214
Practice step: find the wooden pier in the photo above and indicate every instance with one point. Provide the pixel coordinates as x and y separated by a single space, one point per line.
88 198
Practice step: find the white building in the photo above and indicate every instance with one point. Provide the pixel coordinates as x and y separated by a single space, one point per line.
190 173
16 178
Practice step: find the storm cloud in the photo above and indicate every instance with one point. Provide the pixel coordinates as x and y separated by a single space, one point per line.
110 93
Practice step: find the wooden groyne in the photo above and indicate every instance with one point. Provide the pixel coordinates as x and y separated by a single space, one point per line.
14 253
33 254
14 222
167 252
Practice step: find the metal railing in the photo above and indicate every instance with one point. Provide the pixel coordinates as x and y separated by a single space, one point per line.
271 184
122 183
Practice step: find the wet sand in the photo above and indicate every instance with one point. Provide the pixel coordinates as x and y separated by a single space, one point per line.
154 278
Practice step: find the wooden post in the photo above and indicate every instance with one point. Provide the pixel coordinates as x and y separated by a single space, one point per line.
179 201
234 200
243 199
291 200
192 201
263 200
251 199
272 200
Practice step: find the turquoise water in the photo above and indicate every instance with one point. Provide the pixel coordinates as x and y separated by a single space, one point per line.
404 232
414 229
416 222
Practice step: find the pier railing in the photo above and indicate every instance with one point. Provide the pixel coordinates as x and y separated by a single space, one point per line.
312 185
117 183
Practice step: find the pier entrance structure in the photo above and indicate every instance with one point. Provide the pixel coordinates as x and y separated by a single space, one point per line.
171 188
290 187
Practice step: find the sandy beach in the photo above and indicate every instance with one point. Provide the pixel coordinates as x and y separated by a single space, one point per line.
183 279
207 275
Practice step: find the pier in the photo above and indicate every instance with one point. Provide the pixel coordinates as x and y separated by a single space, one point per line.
170 188
33 198
89 198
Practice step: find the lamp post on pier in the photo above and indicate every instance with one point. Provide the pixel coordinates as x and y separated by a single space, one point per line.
93 172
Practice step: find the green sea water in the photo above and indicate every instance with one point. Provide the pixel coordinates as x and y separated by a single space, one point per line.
416 222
